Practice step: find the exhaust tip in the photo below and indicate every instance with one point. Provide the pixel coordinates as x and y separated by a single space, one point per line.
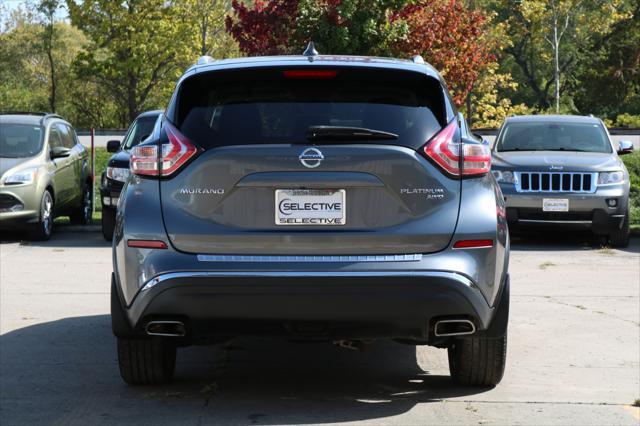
454 327
165 328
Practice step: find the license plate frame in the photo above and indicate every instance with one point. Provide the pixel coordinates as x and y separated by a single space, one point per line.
318 207
555 204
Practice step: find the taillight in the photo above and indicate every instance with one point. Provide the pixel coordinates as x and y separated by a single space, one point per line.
475 161
145 159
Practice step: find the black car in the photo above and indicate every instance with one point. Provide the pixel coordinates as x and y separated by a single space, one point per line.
117 170
333 198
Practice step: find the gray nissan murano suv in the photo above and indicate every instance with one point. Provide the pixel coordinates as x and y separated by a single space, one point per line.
311 197
562 172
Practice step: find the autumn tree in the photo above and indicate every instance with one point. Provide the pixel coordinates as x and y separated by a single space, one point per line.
445 32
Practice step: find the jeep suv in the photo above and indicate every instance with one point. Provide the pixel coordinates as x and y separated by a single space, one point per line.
44 173
561 171
311 197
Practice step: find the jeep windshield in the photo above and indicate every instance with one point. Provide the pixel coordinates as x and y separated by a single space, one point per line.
20 140
276 106
553 136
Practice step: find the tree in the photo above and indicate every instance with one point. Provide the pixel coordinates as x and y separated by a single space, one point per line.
452 38
139 49
551 39
267 28
48 9
445 32
208 18
25 64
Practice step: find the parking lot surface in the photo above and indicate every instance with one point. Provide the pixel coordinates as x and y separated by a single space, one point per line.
573 357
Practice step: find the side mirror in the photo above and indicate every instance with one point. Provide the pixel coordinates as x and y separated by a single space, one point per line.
113 146
59 152
625 147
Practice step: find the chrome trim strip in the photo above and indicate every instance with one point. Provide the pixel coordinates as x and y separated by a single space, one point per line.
579 222
301 274
331 258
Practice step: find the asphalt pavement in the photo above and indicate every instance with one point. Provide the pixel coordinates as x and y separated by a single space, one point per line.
573 356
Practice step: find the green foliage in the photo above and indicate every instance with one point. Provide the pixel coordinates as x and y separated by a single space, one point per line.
25 78
632 161
628 120
351 27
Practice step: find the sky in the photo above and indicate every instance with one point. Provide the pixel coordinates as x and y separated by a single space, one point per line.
8 5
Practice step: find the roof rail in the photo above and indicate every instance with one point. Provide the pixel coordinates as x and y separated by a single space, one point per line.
48 116
22 113
205 59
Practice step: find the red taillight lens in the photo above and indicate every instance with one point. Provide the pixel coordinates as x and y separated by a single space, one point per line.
476 158
149 244
467 244
310 74
146 161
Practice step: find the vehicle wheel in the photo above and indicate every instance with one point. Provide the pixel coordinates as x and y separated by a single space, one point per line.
43 229
108 223
620 238
82 215
146 361
478 361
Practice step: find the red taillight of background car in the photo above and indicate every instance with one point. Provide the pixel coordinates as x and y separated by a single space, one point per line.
446 153
145 159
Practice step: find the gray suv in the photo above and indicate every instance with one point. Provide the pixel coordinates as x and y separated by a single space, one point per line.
563 172
311 197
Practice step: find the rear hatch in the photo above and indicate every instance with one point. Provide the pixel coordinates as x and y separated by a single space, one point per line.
284 165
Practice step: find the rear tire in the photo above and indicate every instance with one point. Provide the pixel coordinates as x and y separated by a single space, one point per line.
620 237
478 361
82 215
108 223
145 361
42 230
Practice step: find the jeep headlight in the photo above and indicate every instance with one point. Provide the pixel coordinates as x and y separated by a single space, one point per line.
610 178
117 173
504 176
24 176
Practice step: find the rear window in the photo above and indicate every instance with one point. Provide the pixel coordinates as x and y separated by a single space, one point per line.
553 136
20 140
264 107
140 129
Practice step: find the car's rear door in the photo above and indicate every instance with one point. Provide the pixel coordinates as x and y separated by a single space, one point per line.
259 185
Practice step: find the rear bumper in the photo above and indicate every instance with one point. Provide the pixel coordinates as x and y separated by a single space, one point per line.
321 304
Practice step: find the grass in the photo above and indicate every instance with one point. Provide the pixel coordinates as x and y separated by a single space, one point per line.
636 403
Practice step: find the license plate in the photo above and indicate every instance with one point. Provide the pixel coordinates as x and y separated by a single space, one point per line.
555 204
310 207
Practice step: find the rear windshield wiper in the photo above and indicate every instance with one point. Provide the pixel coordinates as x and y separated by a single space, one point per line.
341 133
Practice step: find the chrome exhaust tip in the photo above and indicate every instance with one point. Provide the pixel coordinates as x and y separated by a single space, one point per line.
454 327
165 328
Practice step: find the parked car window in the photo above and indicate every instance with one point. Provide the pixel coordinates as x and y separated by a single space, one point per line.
553 136
142 127
216 111
67 137
20 140
55 138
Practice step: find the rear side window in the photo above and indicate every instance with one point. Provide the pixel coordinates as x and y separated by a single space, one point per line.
553 136
140 129
263 106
